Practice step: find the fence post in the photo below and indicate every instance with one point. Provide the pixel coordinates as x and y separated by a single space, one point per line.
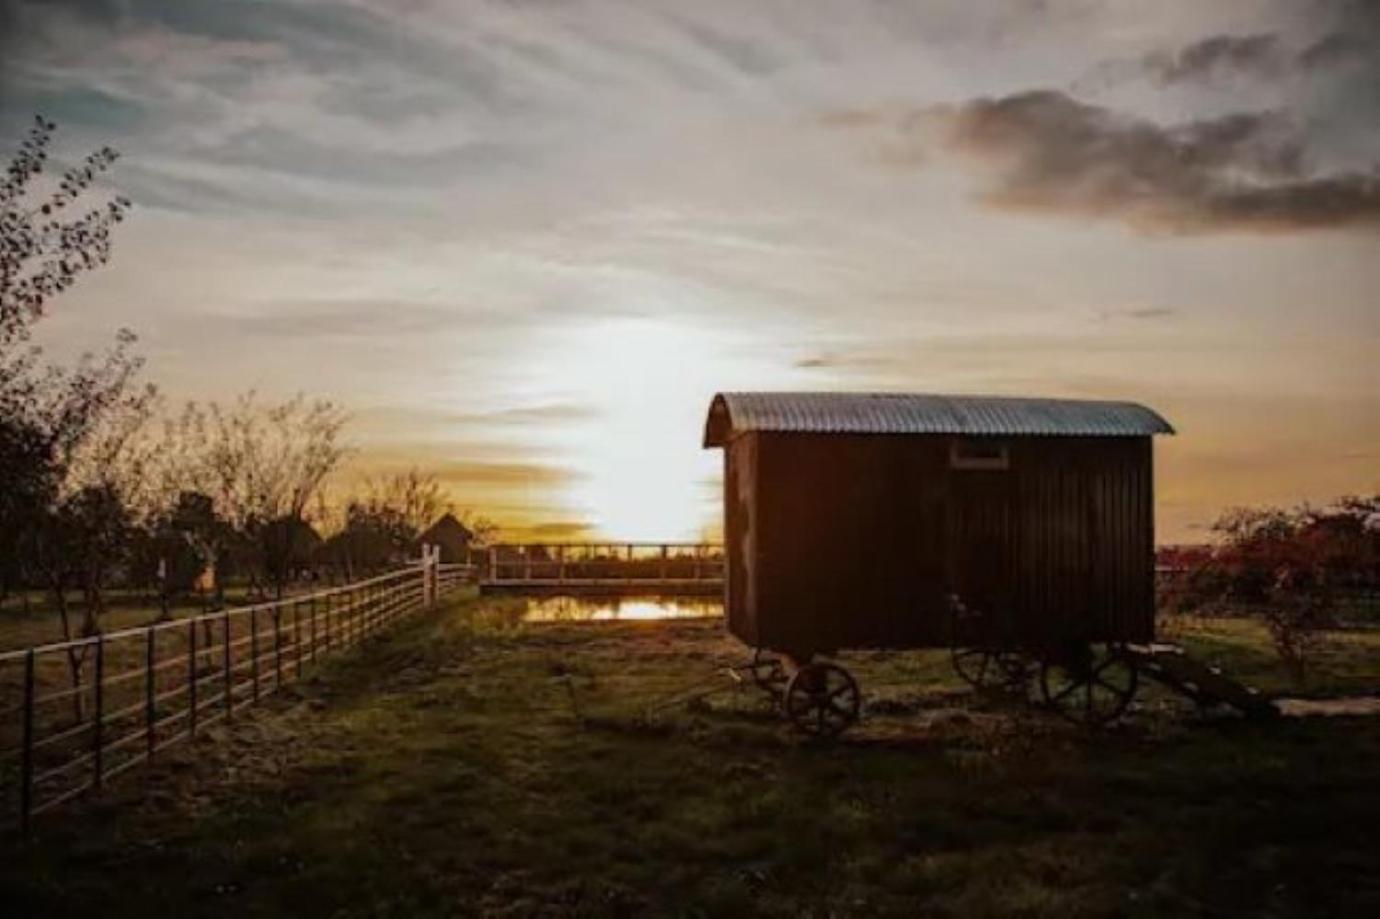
663 561
436 575
297 635
26 778
330 608
191 678
493 563
560 560
311 612
150 693
97 734
277 646
229 673
254 650
426 575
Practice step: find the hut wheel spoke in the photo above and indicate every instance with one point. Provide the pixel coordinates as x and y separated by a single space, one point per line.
822 700
1115 690
1064 693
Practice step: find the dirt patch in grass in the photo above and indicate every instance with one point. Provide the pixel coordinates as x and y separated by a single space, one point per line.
469 763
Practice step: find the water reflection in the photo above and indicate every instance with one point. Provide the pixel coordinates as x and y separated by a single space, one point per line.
582 609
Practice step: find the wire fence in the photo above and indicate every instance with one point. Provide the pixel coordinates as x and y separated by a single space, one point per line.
75 715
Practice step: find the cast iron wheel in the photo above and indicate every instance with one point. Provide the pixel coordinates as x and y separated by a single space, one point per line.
984 669
972 645
1091 687
768 672
822 700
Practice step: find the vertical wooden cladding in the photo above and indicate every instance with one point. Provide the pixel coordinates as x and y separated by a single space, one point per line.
740 528
839 541
1084 540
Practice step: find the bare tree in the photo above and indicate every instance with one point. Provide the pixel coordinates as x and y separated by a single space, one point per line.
484 529
264 466
417 497
82 535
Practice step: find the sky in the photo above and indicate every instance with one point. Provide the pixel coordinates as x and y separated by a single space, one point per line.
526 241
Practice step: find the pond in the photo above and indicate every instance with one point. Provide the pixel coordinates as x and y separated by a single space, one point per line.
581 609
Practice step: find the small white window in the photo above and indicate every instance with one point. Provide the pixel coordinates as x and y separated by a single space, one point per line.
978 453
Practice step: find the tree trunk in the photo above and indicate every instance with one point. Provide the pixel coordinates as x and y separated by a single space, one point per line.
76 657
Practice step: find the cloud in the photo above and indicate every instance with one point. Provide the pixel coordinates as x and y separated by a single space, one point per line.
843 359
1048 152
498 473
547 413
1352 36
1339 44
563 529
1146 312
378 320
1220 56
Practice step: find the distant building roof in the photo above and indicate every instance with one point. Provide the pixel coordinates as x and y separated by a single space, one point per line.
917 413
448 527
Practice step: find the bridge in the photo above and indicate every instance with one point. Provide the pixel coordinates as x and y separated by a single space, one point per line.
664 569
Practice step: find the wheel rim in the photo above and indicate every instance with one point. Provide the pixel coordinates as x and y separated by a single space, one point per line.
984 669
972 665
767 671
1094 694
822 700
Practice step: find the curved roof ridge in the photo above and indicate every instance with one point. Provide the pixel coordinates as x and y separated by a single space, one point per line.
925 413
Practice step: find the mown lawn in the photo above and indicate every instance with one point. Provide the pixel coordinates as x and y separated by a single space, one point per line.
469 764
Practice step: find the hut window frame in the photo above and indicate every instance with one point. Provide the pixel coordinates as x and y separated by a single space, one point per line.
979 454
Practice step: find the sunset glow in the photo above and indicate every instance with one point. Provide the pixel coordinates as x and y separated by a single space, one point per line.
640 472
524 244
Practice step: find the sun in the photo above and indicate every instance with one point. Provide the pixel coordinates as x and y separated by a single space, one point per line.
640 473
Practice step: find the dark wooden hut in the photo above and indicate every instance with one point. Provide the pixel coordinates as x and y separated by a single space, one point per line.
852 519
452 536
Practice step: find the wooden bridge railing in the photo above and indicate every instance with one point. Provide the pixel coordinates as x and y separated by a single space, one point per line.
76 714
516 564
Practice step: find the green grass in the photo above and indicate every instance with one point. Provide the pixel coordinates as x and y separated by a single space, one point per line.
442 770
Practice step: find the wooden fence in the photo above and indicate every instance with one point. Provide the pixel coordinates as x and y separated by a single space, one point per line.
650 566
74 715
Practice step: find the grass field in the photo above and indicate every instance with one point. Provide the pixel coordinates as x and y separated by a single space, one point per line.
469 763
40 623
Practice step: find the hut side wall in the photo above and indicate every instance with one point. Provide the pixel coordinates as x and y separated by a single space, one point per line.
855 541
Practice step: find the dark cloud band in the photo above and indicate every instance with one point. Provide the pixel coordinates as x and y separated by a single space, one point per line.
1248 171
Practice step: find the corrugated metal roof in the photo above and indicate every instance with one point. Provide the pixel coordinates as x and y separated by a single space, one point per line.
919 413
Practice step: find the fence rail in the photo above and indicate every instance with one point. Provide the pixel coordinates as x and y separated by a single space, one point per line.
76 714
